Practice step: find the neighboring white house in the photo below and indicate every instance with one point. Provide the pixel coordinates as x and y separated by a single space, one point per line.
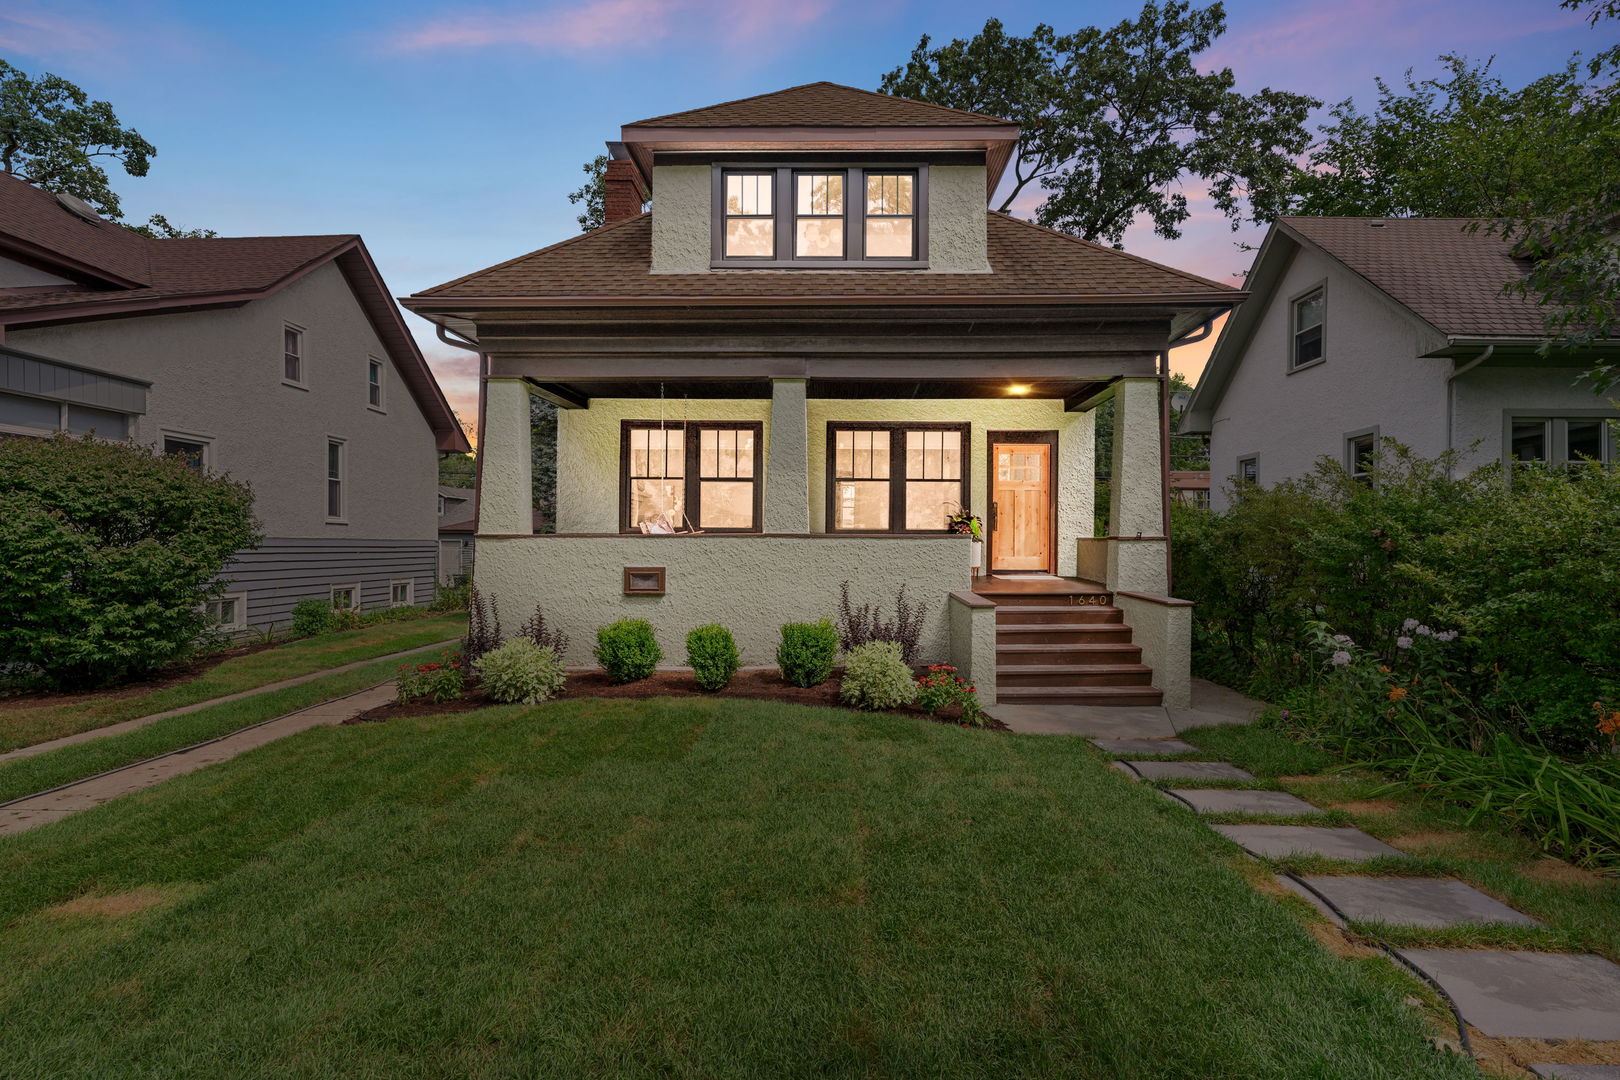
280 360
457 512
1361 329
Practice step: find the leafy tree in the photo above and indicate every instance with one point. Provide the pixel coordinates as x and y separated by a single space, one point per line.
158 228
1535 165
52 135
458 470
111 550
1114 121
592 193
543 460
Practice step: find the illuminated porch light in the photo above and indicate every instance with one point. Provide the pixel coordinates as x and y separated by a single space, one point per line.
1018 389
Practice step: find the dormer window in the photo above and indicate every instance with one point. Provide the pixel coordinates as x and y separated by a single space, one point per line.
805 217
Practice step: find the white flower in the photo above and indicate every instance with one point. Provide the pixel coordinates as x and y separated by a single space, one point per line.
1341 658
1449 635
1342 639
1403 642
1409 625
1424 631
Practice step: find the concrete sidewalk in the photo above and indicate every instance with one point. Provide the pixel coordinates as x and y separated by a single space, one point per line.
35 810
1211 705
141 721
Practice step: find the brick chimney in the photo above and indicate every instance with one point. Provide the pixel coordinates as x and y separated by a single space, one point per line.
622 193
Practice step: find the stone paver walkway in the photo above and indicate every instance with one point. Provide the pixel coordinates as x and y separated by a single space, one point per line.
267 688
35 810
1577 1072
1525 995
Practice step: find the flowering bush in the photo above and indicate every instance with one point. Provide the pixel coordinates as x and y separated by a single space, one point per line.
521 672
942 687
875 677
436 680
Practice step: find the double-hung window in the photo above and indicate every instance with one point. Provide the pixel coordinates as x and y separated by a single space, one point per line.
1360 451
1307 330
334 479
292 355
676 477
895 477
374 383
816 216
1248 470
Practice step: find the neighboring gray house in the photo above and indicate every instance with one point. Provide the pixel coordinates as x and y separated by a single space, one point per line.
456 510
1361 329
280 360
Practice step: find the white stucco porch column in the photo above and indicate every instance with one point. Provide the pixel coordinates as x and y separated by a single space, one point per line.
1136 549
505 488
787 461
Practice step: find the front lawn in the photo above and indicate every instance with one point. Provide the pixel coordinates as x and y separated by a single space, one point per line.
669 888
38 718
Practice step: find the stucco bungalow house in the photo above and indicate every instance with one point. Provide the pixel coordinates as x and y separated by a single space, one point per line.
1363 329
816 348
281 360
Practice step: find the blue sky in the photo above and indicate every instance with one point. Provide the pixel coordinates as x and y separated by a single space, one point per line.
449 133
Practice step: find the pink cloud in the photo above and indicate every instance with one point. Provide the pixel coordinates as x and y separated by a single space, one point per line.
79 35
613 25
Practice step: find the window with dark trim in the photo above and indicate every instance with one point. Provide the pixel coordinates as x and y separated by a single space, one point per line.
1307 328
374 383
334 480
785 216
896 477
702 475
1248 470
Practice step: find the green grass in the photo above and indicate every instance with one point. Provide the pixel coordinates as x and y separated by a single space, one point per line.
24 724
1581 909
24 776
673 888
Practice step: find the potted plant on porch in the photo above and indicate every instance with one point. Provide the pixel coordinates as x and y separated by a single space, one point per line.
964 522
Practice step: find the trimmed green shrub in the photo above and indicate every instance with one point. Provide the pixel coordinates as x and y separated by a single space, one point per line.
311 616
437 680
111 551
627 650
521 672
876 677
808 652
712 652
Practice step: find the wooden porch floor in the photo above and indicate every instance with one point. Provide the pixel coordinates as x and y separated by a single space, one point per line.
1035 584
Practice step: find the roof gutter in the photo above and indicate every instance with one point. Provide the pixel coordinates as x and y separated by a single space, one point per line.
449 304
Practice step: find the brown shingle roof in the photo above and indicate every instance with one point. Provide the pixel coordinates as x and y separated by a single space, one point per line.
1449 277
35 220
823 104
615 262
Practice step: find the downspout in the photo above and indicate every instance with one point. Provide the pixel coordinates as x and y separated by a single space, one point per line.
456 341
1451 398
1191 337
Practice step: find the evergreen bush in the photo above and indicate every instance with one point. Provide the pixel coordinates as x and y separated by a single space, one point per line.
627 650
712 653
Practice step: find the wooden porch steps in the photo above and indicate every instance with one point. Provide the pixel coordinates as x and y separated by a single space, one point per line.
1063 642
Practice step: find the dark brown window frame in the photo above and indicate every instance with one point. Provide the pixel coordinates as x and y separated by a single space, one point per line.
897 472
693 499
785 207
633 572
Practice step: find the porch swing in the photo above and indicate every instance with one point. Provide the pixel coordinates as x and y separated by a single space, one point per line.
665 523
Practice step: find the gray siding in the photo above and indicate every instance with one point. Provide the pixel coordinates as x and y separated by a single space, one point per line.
43 377
284 570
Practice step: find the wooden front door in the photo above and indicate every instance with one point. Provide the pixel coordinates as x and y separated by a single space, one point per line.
1021 501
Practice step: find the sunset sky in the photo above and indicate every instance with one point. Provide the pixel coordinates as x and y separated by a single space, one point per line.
448 133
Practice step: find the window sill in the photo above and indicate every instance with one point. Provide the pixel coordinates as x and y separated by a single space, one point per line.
337 521
824 264
1306 366
295 385
377 409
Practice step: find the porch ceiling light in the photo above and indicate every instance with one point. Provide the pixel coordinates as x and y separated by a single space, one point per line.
1018 389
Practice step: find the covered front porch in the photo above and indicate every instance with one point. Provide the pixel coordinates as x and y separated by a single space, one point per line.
812 467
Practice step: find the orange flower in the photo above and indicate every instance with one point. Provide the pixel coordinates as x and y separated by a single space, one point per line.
1607 724
1397 693
1383 669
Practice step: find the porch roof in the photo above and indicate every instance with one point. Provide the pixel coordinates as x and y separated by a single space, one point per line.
577 393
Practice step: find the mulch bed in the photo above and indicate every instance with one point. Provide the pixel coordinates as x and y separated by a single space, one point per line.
172 675
757 684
